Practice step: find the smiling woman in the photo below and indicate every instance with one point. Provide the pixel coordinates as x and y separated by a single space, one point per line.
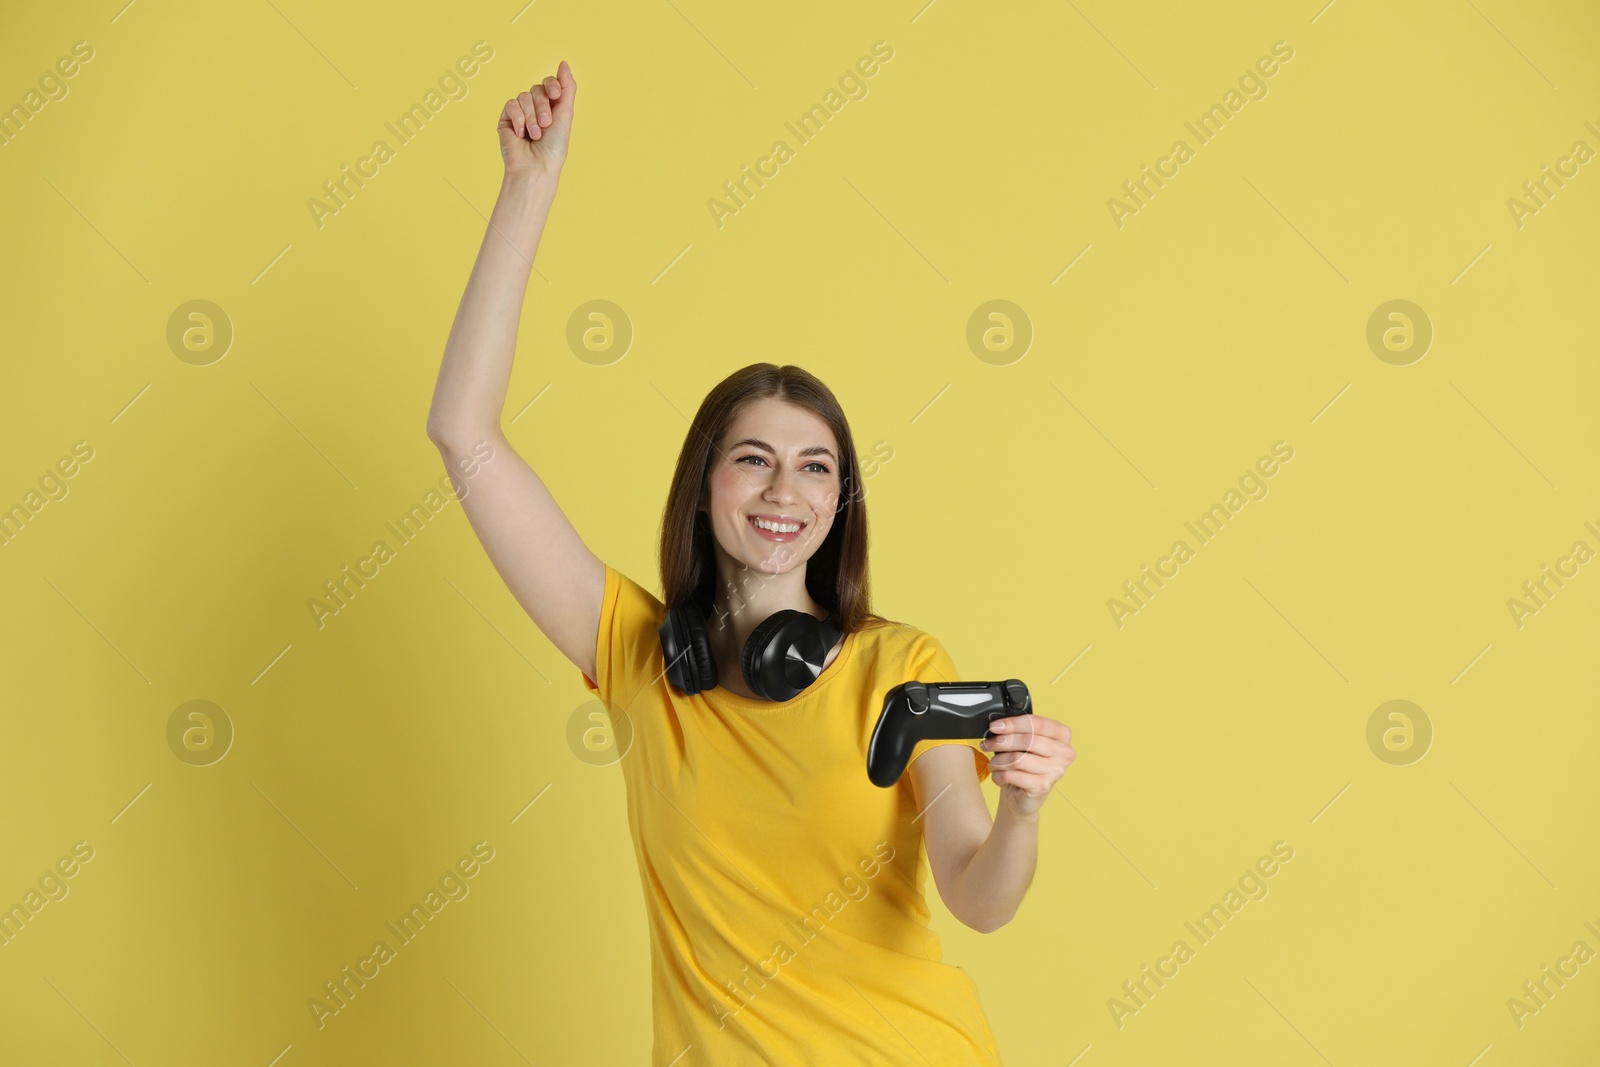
757 491
748 796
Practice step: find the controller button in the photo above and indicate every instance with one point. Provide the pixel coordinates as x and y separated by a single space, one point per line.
1016 695
917 697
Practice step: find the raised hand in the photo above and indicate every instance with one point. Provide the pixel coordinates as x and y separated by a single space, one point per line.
535 126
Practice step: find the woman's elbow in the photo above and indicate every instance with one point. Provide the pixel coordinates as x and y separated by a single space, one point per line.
986 924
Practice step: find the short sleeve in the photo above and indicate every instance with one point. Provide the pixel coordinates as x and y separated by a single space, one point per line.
931 663
628 639
601 687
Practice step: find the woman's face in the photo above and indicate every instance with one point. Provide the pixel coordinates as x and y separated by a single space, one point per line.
779 462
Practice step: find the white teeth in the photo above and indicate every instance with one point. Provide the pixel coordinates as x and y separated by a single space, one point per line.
777 527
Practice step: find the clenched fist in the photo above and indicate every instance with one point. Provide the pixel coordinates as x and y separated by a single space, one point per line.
536 125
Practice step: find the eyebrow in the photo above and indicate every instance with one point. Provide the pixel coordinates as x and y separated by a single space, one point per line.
814 450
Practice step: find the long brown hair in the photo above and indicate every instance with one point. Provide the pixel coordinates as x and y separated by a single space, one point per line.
836 574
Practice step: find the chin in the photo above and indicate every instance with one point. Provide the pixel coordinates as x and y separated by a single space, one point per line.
776 563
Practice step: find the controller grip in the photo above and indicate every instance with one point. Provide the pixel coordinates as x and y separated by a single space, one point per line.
888 755
918 711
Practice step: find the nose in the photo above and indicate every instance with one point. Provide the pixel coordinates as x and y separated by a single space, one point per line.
781 486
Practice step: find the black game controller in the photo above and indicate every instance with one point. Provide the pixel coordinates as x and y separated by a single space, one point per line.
917 711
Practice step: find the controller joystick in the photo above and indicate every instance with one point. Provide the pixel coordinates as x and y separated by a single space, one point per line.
919 711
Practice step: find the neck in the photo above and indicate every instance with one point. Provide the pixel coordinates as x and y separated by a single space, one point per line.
745 597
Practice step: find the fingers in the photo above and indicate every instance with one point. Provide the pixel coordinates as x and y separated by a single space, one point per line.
1025 763
530 112
1026 725
1039 743
512 115
1032 753
1034 774
1035 785
540 112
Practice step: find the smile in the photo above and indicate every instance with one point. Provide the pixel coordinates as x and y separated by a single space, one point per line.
776 528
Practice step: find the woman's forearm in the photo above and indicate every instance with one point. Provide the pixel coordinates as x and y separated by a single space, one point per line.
997 877
476 370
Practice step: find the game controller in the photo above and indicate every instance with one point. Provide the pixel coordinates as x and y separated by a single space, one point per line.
918 711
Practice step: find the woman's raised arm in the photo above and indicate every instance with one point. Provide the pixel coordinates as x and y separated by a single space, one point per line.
543 561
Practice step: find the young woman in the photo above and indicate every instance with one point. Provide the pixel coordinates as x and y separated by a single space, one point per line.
783 890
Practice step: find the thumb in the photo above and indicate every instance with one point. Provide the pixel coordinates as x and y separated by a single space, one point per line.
561 110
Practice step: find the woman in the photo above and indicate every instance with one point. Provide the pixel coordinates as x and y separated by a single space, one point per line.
784 891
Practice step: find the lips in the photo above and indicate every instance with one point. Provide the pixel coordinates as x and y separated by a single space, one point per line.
777 519
773 535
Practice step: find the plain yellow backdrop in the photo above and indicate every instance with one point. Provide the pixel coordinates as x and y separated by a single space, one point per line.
1167 354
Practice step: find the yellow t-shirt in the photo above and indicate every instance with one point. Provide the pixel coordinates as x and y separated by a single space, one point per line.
783 890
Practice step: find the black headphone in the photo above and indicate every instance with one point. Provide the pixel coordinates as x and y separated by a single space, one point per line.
782 655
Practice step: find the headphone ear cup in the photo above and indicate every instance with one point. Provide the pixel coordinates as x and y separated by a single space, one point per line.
687 650
672 649
755 646
705 665
785 653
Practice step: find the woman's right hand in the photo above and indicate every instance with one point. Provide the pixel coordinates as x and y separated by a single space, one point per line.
536 125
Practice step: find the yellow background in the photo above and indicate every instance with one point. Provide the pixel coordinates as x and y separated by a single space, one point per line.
1229 313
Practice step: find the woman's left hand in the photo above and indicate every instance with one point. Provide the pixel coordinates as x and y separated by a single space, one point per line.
1032 753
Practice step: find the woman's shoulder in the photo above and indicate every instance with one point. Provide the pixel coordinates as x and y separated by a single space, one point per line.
895 642
630 608
631 594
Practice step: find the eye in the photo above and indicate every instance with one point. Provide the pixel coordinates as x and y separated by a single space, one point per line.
821 467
